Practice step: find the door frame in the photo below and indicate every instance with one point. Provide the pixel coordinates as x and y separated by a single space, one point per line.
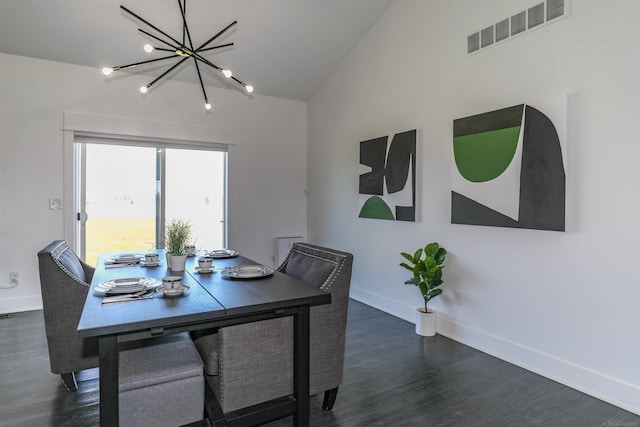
141 130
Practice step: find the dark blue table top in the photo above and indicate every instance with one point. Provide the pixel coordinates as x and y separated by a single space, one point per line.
209 298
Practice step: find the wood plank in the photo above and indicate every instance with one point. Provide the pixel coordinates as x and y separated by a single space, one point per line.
392 377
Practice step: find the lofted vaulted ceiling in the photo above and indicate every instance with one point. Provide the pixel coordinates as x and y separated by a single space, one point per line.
284 48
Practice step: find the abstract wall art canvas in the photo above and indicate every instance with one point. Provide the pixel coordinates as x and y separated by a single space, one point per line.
387 188
509 170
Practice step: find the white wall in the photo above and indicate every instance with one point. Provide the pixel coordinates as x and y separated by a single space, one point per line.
267 161
565 305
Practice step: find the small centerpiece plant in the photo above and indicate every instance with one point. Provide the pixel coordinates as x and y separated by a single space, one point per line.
177 236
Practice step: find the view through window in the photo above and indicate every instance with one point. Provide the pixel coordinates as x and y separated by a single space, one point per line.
130 192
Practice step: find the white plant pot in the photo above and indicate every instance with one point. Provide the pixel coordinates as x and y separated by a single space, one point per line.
426 322
176 262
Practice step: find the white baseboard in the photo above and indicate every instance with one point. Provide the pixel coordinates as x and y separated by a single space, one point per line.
383 303
19 304
611 390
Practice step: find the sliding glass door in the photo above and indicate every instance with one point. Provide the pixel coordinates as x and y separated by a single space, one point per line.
127 193
195 190
120 195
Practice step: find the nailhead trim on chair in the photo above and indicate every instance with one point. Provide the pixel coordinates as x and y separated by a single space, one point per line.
334 274
220 385
55 255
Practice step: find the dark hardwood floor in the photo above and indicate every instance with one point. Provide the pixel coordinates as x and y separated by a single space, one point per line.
393 377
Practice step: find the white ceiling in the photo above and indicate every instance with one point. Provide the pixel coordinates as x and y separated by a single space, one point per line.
284 48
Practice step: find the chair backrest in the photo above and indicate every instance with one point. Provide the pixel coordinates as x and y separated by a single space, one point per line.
66 259
329 270
316 265
64 284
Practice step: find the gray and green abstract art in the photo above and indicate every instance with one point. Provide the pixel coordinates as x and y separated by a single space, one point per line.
509 170
387 188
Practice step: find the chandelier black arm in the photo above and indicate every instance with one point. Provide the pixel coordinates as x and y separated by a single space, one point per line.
212 65
165 49
121 67
201 58
167 72
241 83
183 10
215 47
206 61
149 24
204 92
185 29
216 36
160 40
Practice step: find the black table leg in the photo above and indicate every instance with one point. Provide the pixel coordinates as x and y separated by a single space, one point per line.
108 354
301 366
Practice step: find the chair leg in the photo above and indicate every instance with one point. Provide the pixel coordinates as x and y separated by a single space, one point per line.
70 381
329 399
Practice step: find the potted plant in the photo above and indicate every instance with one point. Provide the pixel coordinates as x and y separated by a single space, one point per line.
177 235
426 266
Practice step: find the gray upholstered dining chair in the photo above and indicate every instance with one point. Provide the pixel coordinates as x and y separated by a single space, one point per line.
252 363
150 370
64 284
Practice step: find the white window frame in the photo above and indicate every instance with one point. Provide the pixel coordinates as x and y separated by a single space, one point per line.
110 130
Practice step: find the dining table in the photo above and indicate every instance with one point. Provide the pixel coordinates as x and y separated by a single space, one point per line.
213 299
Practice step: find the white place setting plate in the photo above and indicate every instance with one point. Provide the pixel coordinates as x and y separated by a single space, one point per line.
173 292
247 272
201 270
126 285
150 264
222 253
125 258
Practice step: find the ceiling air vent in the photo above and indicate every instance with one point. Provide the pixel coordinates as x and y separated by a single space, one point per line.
536 16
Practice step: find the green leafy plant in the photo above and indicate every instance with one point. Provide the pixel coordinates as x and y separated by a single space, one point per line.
426 266
177 235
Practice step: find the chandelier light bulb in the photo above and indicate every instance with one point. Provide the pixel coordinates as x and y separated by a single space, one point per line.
207 106
106 71
148 48
249 88
143 89
227 73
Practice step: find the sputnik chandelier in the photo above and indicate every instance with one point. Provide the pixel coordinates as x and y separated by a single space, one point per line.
181 51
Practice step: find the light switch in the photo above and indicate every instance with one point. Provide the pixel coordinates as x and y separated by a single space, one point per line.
55 204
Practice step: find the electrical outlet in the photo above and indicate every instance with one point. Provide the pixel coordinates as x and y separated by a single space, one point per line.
14 278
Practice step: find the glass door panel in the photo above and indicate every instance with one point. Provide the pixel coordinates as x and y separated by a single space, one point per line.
195 191
120 199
